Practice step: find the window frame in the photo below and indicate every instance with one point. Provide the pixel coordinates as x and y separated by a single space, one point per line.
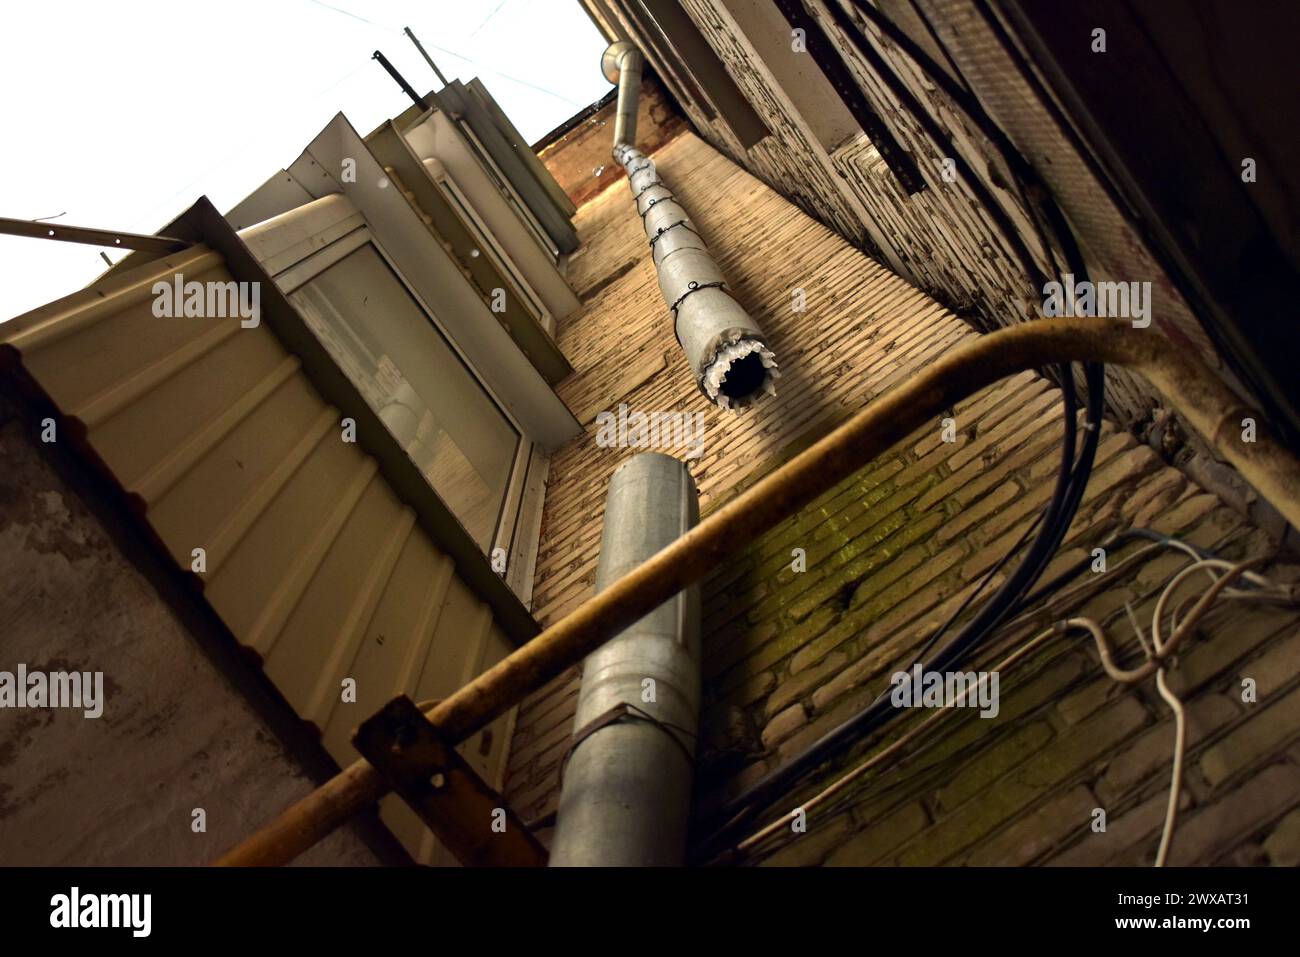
490 245
348 188
511 195
313 260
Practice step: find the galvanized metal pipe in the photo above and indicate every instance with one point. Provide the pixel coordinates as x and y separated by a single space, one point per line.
1205 403
621 64
626 794
726 349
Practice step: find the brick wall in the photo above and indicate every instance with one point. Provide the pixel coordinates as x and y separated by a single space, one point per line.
942 238
579 156
890 552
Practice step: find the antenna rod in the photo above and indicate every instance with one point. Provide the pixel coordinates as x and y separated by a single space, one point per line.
427 59
36 229
401 81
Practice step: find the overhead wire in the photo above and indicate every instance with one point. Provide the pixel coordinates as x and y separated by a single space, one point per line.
452 53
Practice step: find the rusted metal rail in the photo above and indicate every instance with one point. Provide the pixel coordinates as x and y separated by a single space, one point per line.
470 819
1194 391
91 237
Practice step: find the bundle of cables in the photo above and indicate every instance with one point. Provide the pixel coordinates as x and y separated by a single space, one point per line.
1050 528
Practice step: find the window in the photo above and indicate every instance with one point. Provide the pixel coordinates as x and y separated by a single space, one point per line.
512 196
397 315
384 340
488 242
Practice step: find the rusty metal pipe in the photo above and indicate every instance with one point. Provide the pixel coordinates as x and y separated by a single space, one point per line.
1193 390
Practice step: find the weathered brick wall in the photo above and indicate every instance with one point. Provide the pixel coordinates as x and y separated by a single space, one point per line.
893 551
890 552
579 157
942 238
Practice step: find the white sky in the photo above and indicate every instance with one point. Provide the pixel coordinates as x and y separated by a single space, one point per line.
120 114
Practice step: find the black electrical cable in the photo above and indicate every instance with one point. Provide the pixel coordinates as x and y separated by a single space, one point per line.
1071 483
1020 170
1073 476
992 572
940 136
1116 540
1008 599
959 94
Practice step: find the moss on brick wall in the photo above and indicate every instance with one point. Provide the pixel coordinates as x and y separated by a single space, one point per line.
891 552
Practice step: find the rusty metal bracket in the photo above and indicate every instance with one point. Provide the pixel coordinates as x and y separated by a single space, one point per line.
471 819
617 713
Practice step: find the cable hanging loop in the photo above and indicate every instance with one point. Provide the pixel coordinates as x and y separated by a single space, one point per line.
663 229
694 287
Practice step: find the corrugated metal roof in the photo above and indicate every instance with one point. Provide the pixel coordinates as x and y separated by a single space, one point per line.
223 443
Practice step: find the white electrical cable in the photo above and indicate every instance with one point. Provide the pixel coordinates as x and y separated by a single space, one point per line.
1159 652
1174 702
1176 776
1176 705
1207 564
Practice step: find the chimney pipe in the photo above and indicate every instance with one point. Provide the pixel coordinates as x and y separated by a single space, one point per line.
726 349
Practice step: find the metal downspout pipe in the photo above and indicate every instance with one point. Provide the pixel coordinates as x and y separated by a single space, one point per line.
626 793
623 60
726 349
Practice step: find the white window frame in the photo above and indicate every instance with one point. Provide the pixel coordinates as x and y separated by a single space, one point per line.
364 197
437 138
488 242
512 196
520 513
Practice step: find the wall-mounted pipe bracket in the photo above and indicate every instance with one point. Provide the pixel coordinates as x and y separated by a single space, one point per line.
471 819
